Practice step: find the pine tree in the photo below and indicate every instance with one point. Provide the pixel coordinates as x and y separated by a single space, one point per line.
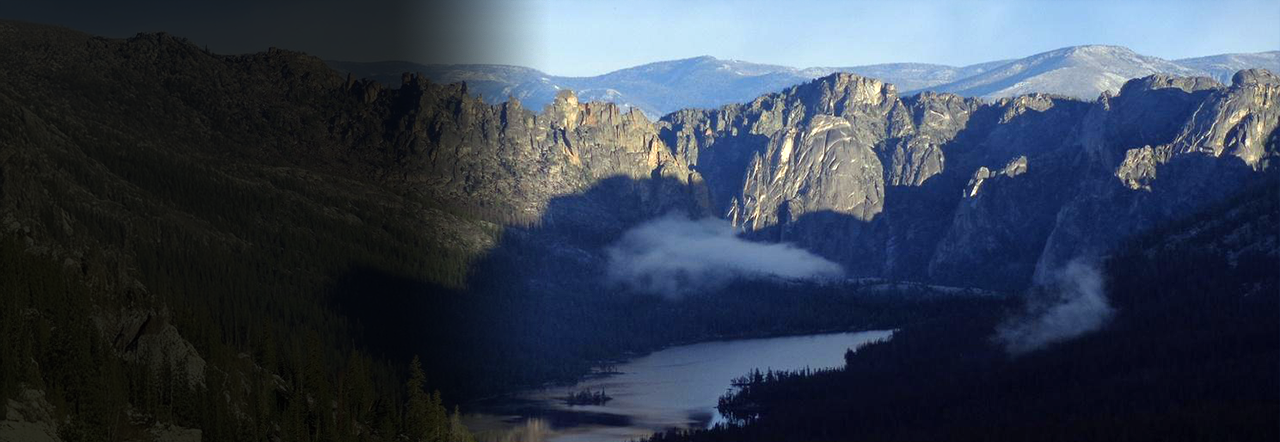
357 393
457 431
11 339
426 419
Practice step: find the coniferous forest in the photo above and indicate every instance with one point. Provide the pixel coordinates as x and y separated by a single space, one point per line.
1190 355
201 245
160 280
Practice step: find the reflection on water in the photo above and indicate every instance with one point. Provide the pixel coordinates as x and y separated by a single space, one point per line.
673 388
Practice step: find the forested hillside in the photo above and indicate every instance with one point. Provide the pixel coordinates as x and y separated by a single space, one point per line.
173 223
1189 355
256 247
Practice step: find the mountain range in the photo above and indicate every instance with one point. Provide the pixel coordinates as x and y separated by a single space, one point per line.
659 88
264 228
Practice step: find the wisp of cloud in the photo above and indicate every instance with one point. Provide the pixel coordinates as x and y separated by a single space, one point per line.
674 255
1073 304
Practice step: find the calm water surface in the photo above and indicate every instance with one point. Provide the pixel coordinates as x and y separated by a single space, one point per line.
673 388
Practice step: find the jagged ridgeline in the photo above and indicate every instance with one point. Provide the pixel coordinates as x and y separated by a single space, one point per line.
234 224
174 224
945 189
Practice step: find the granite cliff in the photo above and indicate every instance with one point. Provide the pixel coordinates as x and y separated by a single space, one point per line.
949 189
206 208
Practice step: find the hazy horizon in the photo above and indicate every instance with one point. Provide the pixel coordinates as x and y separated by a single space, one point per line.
622 68
826 33
579 38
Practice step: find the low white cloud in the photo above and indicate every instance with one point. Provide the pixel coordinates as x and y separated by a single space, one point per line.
674 255
1072 304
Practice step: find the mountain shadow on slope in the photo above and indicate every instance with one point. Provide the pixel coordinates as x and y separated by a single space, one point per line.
537 309
1190 355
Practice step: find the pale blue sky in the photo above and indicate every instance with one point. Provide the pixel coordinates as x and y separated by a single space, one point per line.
580 37
588 37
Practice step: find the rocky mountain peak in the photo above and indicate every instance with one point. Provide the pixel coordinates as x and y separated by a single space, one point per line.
934 187
564 111
1250 77
1237 121
843 88
937 186
1164 81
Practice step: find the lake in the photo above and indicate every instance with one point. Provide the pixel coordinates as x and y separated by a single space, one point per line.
677 387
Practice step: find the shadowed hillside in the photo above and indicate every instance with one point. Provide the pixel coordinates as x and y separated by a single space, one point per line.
256 247
1190 354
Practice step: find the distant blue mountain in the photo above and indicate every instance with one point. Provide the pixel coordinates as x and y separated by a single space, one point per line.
706 82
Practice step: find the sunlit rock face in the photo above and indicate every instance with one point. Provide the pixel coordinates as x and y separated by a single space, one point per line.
1235 121
821 169
932 186
943 188
845 166
504 159
1174 146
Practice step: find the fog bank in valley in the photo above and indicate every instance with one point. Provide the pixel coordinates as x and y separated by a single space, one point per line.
675 255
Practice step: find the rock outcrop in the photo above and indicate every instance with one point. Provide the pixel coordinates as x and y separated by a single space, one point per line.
29 417
268 181
942 188
509 162
889 186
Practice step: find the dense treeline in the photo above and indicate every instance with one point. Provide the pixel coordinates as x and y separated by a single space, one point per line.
47 344
240 258
263 207
308 295
264 282
1190 355
514 328
270 268
536 308
146 198
50 343
239 200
